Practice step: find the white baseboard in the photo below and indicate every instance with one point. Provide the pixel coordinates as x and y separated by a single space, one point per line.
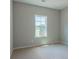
27 46
21 47
35 45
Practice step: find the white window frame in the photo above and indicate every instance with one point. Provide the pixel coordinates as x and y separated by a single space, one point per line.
45 26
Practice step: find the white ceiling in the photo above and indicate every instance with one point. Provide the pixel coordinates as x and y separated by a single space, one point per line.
55 4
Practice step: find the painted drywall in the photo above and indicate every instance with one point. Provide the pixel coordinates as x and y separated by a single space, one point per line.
24 25
11 28
64 25
55 4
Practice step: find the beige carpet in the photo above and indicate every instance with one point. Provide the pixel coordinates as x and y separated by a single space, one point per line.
43 52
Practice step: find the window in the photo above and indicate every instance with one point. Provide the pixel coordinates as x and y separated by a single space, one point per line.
40 26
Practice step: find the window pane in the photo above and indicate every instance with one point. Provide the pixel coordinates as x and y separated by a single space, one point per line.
38 19
37 23
43 23
42 19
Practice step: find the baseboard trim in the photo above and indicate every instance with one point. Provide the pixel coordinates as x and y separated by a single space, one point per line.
34 46
21 47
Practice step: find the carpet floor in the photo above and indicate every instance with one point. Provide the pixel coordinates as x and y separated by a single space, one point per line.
42 52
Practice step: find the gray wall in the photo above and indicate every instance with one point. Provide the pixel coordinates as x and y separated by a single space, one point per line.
11 28
24 26
64 25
